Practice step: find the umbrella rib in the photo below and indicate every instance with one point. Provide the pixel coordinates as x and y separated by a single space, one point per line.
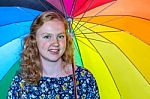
111 20
19 8
78 51
57 10
78 48
73 7
97 32
103 23
94 39
78 8
95 15
122 53
104 63
17 37
90 30
64 8
86 45
43 5
115 18
92 1
15 22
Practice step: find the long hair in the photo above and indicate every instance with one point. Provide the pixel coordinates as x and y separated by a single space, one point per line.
30 61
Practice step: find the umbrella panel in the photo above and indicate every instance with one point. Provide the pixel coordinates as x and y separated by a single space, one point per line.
114 56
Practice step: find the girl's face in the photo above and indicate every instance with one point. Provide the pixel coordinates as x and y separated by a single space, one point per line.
51 40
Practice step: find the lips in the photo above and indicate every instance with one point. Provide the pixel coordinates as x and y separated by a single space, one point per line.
54 51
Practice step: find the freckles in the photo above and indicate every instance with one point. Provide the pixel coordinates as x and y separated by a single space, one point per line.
44 45
63 42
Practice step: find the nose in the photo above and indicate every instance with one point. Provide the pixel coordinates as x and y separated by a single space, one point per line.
55 42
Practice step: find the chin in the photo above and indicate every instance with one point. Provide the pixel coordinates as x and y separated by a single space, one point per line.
53 60
50 59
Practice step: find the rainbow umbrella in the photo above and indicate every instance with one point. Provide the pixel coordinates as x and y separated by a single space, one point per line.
113 47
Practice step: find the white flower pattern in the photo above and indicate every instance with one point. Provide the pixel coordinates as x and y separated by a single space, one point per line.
56 88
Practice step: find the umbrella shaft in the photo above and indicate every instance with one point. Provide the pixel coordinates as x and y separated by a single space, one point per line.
69 20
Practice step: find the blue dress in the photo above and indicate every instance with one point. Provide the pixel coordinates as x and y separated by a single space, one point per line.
56 88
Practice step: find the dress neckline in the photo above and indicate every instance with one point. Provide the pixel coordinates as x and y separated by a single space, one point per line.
63 77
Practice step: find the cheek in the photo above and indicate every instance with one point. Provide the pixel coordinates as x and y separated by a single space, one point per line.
42 45
63 43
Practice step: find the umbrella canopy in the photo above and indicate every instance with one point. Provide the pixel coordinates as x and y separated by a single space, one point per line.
118 51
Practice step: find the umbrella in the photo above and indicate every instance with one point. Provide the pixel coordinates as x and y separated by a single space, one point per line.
118 53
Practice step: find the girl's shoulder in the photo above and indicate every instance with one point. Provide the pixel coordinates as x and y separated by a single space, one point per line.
78 69
84 73
17 80
81 72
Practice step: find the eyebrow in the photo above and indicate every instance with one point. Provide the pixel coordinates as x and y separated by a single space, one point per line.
61 33
52 34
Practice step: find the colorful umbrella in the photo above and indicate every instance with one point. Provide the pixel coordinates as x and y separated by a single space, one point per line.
114 48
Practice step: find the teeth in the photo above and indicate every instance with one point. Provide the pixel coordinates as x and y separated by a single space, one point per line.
54 50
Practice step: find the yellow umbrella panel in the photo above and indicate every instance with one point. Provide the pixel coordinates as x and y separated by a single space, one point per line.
112 55
136 27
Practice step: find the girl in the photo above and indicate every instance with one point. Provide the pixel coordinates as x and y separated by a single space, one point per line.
47 67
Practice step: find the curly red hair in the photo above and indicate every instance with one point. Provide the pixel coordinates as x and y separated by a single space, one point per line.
30 63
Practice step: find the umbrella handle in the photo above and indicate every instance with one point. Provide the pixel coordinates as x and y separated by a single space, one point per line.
74 78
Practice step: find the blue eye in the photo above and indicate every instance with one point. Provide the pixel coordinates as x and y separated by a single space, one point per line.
61 36
47 36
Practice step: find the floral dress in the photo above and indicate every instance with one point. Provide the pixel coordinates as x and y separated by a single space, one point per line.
56 88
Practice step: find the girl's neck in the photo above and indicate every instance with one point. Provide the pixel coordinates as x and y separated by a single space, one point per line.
53 69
